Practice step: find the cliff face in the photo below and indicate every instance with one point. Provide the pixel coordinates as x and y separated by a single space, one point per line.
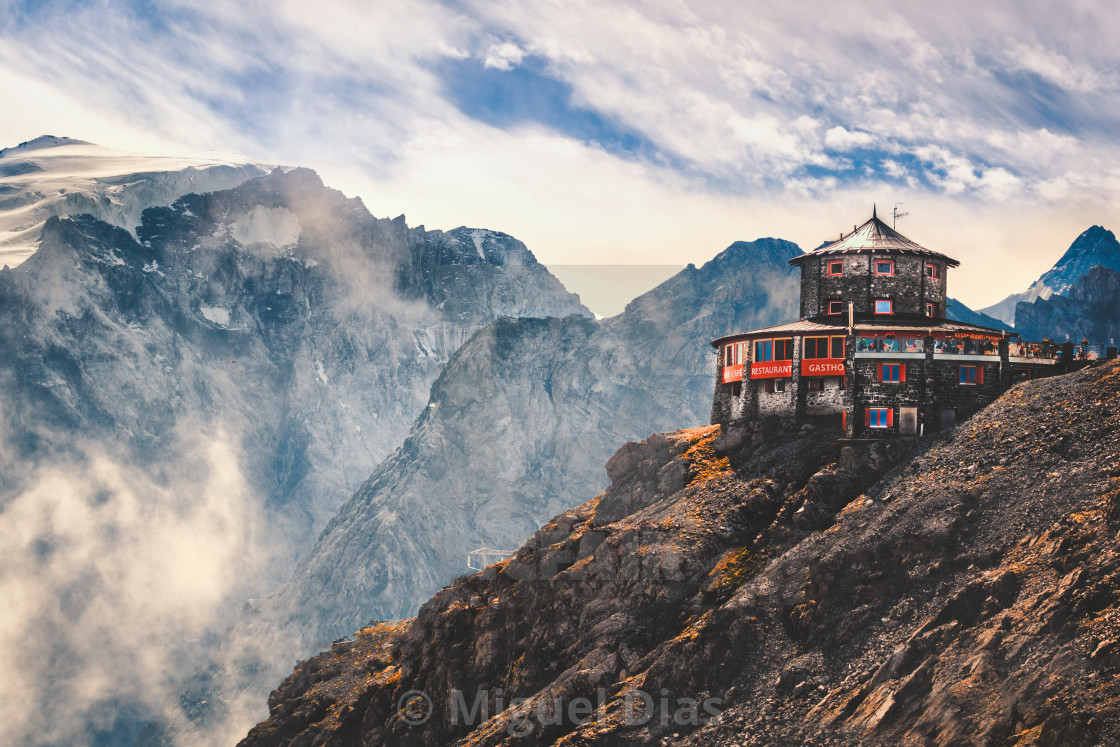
1090 308
746 588
1095 247
182 411
549 400
517 429
279 310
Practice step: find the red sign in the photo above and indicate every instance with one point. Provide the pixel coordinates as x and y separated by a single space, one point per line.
732 373
771 369
823 367
964 335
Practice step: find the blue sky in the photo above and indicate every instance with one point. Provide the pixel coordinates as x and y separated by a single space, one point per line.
645 132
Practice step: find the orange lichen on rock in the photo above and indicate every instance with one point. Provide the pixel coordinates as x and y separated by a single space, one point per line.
703 462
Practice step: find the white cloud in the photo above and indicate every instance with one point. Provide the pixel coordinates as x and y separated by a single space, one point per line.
840 138
1059 69
734 100
503 56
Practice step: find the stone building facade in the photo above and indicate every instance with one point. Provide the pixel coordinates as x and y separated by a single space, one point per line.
873 353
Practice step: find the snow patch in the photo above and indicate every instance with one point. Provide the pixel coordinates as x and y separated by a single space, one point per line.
478 235
263 225
59 176
215 314
322 374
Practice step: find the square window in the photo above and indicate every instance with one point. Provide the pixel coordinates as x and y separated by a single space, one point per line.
836 348
891 373
931 271
836 268
931 309
835 307
772 386
783 350
884 267
816 384
968 374
884 306
879 417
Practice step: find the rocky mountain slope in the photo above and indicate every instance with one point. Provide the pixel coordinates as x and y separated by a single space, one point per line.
957 310
1089 308
749 588
182 409
516 430
281 308
1095 247
548 400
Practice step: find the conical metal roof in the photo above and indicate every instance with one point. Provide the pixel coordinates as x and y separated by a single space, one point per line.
875 236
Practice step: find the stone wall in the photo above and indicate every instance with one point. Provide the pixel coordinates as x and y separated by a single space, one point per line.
827 401
811 271
934 290
908 287
870 392
721 399
966 399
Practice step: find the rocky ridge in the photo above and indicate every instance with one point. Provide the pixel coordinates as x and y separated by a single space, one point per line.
546 399
956 589
280 309
184 407
63 177
1095 247
1089 309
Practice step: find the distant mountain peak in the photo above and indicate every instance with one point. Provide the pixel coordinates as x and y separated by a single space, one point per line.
1094 242
40 143
63 176
1094 247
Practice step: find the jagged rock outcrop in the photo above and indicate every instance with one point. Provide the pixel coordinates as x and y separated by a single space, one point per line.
1095 247
1089 309
279 309
955 590
182 411
517 429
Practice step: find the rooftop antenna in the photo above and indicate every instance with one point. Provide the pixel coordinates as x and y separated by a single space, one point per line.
896 215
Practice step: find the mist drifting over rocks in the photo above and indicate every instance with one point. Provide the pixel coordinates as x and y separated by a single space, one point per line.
517 429
184 404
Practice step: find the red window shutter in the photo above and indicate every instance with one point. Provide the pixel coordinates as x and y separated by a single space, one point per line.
979 374
890 417
902 372
844 420
867 416
880 374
